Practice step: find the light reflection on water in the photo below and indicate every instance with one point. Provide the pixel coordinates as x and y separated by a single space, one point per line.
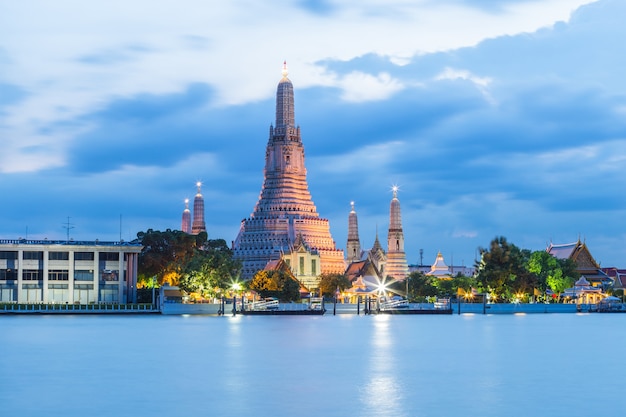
381 395
509 365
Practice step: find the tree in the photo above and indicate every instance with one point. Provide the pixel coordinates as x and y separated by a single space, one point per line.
211 271
263 283
421 286
464 283
524 282
165 254
276 283
192 262
501 270
330 283
553 273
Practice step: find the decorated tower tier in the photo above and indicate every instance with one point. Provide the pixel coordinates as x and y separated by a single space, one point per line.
285 211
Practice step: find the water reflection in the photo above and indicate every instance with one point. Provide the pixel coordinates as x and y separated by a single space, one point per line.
382 394
488 366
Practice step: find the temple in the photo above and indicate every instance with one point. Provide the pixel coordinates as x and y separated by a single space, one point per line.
186 220
285 223
198 224
439 269
368 269
353 248
396 266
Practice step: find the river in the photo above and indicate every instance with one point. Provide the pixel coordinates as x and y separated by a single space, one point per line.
348 365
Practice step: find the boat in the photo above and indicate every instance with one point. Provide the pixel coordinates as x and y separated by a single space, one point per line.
402 306
274 308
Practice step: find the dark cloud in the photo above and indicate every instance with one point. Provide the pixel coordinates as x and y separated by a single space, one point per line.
145 130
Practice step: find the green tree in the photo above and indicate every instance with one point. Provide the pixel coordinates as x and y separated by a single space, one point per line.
192 262
421 286
524 282
165 254
555 274
502 270
464 283
330 283
211 271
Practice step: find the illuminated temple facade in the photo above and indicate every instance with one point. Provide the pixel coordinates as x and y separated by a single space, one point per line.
397 266
376 262
285 223
197 225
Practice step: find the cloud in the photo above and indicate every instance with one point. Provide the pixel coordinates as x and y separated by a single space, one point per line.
358 86
512 125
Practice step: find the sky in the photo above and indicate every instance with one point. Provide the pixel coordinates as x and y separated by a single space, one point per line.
493 117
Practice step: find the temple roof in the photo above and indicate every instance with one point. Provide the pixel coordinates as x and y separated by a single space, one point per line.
565 251
577 252
439 268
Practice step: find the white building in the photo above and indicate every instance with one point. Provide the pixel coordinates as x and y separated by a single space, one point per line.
42 271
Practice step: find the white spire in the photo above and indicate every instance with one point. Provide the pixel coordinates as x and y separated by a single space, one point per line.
284 71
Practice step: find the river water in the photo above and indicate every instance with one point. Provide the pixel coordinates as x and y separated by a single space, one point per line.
348 365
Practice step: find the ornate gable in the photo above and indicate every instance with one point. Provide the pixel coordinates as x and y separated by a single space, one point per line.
583 258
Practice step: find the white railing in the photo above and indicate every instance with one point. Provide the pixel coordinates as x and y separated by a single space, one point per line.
264 305
394 304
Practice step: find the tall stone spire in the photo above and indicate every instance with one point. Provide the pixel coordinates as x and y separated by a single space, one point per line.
353 248
396 265
198 212
186 222
285 208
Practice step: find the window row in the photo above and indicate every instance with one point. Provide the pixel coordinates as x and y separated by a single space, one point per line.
58 275
60 256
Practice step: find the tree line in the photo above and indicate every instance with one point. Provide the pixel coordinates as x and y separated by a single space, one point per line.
506 273
206 267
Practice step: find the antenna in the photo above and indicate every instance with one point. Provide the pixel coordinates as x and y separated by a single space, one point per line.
120 227
68 226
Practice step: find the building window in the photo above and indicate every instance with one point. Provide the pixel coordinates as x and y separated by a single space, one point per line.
8 255
83 256
8 274
32 275
58 275
109 256
83 275
57 286
36 255
302 265
108 275
83 286
31 286
58 256
313 267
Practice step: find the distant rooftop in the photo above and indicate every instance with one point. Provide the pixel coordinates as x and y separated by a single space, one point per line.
66 242
563 251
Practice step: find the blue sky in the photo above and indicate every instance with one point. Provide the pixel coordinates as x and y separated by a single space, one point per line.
494 117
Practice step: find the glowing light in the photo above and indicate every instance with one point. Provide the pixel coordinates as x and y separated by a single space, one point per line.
284 71
382 288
